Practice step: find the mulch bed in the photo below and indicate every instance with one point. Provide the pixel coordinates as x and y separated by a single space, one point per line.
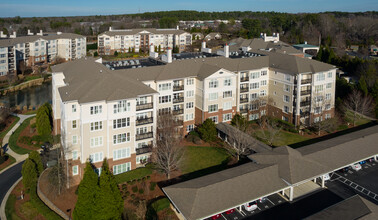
5 163
8 123
27 132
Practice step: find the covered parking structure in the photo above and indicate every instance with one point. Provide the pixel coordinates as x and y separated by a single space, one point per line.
281 169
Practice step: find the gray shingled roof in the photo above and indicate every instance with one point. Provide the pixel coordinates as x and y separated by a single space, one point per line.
138 30
217 192
33 38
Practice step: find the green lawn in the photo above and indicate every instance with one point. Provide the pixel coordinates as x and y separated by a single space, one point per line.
10 212
13 138
133 174
3 133
200 158
11 159
359 119
32 77
160 204
284 138
31 112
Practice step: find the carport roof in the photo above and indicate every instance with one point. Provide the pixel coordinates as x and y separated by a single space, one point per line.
352 208
217 192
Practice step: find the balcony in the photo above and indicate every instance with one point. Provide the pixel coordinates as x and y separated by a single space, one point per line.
143 121
144 136
140 107
305 92
244 89
305 103
178 99
144 149
243 100
306 81
244 79
177 111
305 114
178 88
243 110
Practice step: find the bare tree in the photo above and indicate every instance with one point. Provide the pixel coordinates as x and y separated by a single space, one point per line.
359 104
238 137
141 210
321 103
270 130
23 67
168 153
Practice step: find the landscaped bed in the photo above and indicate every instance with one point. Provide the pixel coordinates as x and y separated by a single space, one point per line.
6 161
10 122
20 131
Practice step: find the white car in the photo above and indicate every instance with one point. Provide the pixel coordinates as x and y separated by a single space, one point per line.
356 167
250 206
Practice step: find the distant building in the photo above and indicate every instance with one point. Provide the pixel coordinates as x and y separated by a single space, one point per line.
197 36
305 46
373 50
213 36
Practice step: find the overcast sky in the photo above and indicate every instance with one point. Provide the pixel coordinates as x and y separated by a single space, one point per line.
43 8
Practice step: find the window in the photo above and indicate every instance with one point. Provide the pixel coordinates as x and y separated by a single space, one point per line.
227 117
227 94
97 109
228 82
121 138
287 77
319 98
263 83
96 141
328 96
73 108
213 108
213 83
275 82
95 126
74 125
121 123
320 77
328 106
263 112
96 157
121 168
74 139
165 87
189 93
327 116
286 109
329 75
189 128
318 88
213 96
287 88
190 81
254 85
121 153
141 159
286 98
75 170
254 96
122 106
214 119
264 73
165 99
318 110
284 118
253 116
189 117
317 119
190 105
329 85
74 155
253 107
227 105
263 93
255 75
141 100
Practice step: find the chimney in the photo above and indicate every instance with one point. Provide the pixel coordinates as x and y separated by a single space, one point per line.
167 57
203 46
2 35
30 33
226 51
110 29
14 35
177 27
40 33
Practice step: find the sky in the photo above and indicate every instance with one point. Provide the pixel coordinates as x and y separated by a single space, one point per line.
46 8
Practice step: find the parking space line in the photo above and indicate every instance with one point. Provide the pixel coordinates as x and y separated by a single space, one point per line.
362 190
269 200
258 208
241 212
223 216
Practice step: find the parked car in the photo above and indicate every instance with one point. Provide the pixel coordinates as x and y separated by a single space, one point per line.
356 167
215 216
362 162
326 177
230 211
345 169
250 206
263 199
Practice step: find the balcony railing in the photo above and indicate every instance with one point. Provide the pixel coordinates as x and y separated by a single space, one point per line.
305 114
178 111
178 88
144 136
143 121
178 99
140 107
306 81
243 110
305 92
143 150
244 89
305 103
244 79
243 100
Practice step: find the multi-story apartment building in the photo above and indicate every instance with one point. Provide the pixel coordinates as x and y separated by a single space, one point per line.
141 39
112 113
40 48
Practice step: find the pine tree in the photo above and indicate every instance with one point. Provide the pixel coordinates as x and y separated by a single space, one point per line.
29 174
110 202
43 121
362 85
36 158
88 195
208 130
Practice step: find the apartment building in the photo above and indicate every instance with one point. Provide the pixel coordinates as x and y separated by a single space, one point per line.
100 112
39 49
140 40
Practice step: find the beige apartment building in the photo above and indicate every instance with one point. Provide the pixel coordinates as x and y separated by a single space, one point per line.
102 112
38 49
141 39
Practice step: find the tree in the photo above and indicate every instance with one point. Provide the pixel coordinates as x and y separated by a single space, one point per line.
321 104
168 152
23 67
270 130
29 174
238 138
159 48
240 122
362 86
115 53
110 202
87 195
208 131
36 158
95 54
359 104
141 210
43 120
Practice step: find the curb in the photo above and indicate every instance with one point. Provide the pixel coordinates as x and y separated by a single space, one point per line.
2 207
12 165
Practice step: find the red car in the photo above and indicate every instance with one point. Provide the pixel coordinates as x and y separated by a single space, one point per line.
230 211
215 216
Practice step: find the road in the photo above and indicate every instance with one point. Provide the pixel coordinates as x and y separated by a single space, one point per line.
8 178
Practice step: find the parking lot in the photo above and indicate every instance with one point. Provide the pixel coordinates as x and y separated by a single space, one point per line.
362 182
